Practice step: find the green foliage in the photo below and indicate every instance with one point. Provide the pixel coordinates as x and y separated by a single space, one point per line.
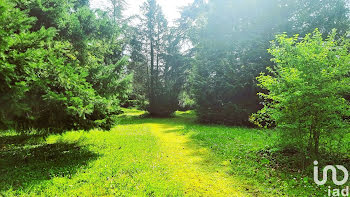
230 40
49 77
306 88
222 91
306 15
186 102
39 78
229 54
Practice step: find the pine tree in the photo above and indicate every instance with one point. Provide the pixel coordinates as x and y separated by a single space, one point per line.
161 57
65 65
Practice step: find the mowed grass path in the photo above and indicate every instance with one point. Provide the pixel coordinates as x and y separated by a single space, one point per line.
191 166
141 157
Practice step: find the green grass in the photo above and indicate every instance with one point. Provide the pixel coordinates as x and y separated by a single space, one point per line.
246 154
243 151
148 157
80 163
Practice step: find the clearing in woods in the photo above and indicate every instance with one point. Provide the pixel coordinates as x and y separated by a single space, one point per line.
138 157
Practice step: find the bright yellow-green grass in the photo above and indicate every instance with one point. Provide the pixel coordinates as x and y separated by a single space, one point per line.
141 157
123 161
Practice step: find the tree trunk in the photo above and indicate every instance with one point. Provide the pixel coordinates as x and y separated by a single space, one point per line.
316 143
157 69
152 75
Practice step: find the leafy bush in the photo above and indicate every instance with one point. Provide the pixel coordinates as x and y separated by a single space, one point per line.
186 102
306 89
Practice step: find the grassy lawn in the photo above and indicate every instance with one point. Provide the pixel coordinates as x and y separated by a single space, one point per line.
122 161
146 157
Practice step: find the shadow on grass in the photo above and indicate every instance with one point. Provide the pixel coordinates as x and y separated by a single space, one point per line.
21 139
26 160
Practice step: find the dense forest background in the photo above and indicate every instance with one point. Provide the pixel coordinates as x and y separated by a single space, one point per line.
64 65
